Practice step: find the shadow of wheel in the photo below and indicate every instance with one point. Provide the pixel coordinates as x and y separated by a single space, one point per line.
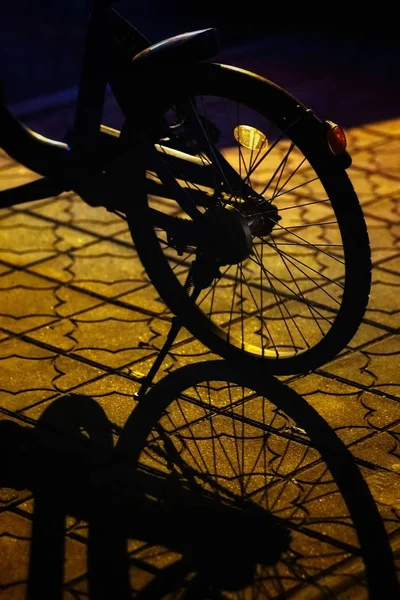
261 498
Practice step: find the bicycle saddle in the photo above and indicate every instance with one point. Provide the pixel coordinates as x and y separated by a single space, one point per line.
184 48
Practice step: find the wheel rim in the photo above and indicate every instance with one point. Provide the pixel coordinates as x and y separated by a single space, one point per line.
283 299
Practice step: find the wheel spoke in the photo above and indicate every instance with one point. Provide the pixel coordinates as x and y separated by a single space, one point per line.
310 244
255 464
293 294
296 262
278 258
280 306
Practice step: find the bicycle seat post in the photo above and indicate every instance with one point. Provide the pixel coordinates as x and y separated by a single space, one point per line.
92 86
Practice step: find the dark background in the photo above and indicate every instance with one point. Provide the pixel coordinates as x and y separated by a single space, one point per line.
328 56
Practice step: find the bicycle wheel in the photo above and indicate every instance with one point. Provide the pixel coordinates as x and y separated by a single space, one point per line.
248 206
261 498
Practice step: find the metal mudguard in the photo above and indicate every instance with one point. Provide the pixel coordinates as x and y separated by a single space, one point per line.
185 48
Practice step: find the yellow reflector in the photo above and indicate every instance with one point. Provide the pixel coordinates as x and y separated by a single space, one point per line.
250 137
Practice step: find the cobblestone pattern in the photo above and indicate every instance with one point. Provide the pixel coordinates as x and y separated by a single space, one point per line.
80 327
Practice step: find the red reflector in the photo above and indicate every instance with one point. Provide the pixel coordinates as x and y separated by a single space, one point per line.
336 138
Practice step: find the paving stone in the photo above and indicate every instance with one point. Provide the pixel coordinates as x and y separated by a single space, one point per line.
145 298
345 406
384 239
188 352
51 210
15 174
36 207
386 273
96 271
91 219
384 299
364 139
113 393
383 478
391 128
304 492
113 341
376 366
385 209
383 455
384 486
10 496
379 156
370 186
81 319
364 335
28 301
5 160
23 384
22 381
14 550
24 242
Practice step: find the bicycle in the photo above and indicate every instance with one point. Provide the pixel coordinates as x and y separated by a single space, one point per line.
235 193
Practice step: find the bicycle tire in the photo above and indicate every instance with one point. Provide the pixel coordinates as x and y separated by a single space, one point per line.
270 421
300 310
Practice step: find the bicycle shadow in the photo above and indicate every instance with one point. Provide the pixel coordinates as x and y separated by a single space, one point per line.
225 537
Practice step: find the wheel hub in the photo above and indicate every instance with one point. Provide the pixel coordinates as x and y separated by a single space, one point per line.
228 239
228 236
263 218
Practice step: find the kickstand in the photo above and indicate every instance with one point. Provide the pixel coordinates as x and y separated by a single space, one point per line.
148 380
175 328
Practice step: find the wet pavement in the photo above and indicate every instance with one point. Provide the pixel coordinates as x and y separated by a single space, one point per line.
80 327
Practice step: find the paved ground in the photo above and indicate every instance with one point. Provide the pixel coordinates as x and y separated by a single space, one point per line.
81 325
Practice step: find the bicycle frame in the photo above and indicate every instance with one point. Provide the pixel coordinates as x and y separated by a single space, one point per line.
110 44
